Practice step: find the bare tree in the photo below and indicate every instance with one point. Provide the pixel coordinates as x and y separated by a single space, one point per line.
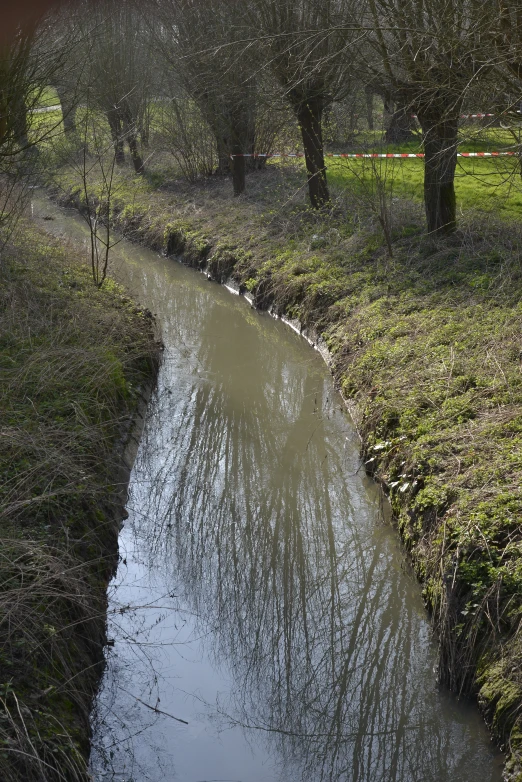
507 34
205 47
27 66
118 73
310 47
506 38
182 132
100 163
432 51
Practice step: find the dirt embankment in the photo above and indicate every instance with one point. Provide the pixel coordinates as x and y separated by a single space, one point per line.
75 363
426 347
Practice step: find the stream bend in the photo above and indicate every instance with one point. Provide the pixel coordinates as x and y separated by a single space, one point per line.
261 596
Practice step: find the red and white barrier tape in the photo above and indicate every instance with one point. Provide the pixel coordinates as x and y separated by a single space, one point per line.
418 154
470 116
401 155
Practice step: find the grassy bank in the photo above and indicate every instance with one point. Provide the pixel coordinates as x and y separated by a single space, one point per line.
73 364
427 345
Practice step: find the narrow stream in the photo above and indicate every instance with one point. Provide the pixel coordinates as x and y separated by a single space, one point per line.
261 595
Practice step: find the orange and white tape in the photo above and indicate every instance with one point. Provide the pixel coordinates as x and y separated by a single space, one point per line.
400 155
470 116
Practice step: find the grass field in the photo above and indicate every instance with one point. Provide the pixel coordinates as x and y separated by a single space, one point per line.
486 185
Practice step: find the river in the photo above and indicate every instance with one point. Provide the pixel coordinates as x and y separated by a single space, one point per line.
262 595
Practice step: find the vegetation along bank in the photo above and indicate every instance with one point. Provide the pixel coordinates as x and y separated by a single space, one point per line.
425 346
75 363
112 104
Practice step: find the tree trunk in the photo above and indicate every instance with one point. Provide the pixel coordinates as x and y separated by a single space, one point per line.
440 129
309 116
400 126
132 141
68 108
144 129
253 163
238 170
369 108
19 122
130 125
242 134
114 121
224 162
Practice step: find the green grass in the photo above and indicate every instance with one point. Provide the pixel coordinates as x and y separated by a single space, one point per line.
47 97
485 185
472 138
45 128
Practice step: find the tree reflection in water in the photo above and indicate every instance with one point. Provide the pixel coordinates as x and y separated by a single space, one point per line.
246 500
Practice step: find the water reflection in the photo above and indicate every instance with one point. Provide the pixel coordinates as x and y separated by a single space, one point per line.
255 566
247 502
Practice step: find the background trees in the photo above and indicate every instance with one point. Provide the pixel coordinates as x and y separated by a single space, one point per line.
117 73
28 63
506 41
223 71
203 44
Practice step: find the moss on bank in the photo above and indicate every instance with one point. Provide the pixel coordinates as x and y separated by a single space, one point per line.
74 361
428 345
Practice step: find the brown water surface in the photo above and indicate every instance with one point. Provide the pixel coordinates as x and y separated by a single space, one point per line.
261 596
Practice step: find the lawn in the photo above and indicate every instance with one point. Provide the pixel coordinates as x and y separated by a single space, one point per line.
483 184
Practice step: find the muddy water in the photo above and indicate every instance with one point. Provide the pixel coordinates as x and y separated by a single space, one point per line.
261 597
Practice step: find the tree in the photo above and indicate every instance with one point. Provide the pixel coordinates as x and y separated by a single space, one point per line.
27 65
507 35
398 120
431 52
117 77
97 211
204 45
310 46
506 38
